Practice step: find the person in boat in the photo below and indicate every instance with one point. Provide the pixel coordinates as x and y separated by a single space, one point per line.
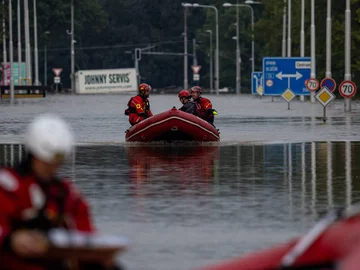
188 105
34 200
203 105
139 106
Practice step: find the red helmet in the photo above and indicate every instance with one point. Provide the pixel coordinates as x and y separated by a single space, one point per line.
196 89
144 87
184 93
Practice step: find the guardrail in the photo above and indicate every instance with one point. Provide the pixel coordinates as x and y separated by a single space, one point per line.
24 91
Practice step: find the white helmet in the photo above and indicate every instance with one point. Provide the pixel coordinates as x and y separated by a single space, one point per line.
49 137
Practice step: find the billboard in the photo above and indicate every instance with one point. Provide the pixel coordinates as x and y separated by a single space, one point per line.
104 81
5 79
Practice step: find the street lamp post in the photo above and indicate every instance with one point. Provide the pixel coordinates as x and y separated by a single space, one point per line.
238 62
36 55
302 36
45 59
217 76
11 49
19 40
289 29
328 40
27 42
312 27
186 82
238 83
252 27
4 38
284 32
211 62
347 51
72 49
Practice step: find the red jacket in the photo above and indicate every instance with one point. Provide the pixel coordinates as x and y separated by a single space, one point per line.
203 105
27 204
138 109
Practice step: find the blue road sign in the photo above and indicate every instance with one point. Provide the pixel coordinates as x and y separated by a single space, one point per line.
281 73
256 81
329 83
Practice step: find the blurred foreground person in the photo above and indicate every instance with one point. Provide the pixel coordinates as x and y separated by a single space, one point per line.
33 200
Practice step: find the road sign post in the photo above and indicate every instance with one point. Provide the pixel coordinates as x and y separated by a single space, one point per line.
288 95
324 97
57 72
282 73
196 69
256 82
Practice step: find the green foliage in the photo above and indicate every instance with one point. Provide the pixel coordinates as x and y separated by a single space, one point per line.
106 30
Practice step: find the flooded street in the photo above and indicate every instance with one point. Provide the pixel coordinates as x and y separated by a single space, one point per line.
272 176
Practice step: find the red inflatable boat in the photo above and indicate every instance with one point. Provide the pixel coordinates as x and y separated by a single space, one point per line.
334 241
173 125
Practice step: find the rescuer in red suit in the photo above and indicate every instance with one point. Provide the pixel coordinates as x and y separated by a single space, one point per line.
139 106
188 105
33 200
203 105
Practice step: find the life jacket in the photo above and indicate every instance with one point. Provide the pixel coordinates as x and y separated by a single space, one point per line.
131 109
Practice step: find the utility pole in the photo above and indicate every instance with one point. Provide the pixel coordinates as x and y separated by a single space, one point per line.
347 76
11 49
36 55
238 83
186 81
19 39
312 28
27 42
284 32
289 28
211 62
302 36
72 49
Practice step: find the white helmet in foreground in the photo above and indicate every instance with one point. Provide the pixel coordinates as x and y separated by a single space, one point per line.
49 138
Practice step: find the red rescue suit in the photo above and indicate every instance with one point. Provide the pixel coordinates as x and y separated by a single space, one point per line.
204 109
138 109
28 204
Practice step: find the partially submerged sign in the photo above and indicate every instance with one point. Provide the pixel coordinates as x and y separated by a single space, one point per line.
105 81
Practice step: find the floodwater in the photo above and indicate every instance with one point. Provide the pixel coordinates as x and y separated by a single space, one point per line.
272 176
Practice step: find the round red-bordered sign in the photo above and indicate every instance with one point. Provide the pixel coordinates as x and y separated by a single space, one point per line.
329 83
269 83
347 89
312 84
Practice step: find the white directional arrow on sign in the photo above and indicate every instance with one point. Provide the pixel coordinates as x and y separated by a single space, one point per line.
280 75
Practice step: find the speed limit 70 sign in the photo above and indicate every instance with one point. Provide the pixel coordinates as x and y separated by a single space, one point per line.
347 89
312 84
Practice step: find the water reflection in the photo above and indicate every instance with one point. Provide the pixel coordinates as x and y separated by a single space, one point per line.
329 176
348 173
185 166
12 154
313 179
303 178
275 183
